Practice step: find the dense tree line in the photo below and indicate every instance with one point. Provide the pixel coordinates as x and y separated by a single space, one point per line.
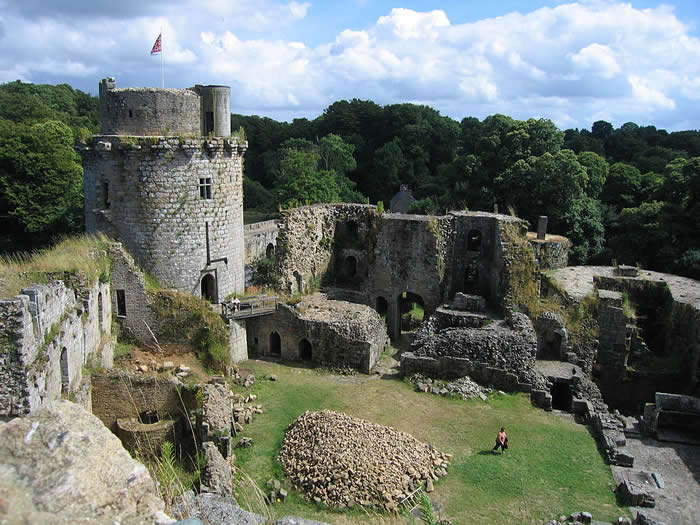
41 178
630 193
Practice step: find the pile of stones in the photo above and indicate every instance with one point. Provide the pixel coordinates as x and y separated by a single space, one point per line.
463 386
342 461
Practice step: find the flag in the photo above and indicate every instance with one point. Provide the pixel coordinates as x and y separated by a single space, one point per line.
157 46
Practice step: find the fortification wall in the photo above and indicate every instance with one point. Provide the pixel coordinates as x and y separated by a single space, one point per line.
260 240
157 195
49 332
551 252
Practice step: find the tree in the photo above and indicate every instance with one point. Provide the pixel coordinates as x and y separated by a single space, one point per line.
300 182
597 169
41 179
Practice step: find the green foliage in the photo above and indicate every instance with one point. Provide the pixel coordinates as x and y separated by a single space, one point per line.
380 207
122 350
300 182
191 319
40 178
266 273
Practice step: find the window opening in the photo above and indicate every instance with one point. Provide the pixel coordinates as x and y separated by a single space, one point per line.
382 306
105 195
474 241
131 114
205 187
270 250
121 303
65 378
99 310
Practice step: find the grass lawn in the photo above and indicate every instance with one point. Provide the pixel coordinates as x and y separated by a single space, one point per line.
553 466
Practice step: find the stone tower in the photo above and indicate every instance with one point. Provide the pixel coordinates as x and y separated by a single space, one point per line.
165 177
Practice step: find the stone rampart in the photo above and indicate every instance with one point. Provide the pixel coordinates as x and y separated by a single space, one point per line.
49 332
160 196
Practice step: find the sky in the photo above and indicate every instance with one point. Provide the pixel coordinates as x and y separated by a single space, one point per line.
572 62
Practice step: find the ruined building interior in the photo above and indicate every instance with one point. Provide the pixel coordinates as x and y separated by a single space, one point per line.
165 180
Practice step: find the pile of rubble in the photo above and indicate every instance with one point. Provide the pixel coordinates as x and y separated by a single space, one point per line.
463 386
344 461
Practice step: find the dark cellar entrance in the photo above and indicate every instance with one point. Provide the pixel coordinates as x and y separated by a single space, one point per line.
561 396
275 344
305 350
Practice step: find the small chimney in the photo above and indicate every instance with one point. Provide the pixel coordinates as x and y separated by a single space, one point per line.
542 227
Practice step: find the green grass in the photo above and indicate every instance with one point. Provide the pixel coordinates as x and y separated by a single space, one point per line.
83 255
552 468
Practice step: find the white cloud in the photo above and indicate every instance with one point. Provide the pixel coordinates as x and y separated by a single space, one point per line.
574 63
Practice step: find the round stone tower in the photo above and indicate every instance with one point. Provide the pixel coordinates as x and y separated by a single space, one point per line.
166 179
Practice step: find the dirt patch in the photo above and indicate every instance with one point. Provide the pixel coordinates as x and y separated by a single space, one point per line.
151 359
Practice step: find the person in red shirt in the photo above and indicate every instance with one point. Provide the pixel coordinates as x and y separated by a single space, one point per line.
501 440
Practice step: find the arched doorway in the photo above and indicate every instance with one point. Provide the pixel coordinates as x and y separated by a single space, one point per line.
65 376
382 306
209 288
305 351
275 344
412 310
270 251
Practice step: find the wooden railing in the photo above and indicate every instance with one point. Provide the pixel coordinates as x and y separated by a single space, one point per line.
250 307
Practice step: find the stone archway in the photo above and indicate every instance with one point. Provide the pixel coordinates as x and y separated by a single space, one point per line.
411 310
209 291
270 251
305 350
275 344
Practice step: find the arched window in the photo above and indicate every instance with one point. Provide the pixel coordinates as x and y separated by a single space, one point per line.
270 250
99 311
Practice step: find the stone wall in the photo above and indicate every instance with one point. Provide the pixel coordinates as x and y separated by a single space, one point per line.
385 256
337 333
120 395
49 333
551 252
139 318
260 241
157 195
199 110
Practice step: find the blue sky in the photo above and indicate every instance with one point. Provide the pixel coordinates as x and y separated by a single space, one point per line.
571 62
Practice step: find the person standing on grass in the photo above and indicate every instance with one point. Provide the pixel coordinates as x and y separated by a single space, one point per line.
501 440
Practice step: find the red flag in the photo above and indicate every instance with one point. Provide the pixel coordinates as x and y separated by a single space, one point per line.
157 47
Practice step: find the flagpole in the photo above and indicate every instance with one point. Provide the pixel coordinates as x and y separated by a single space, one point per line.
162 74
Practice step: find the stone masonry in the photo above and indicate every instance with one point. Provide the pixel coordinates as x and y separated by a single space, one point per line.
159 194
332 332
49 332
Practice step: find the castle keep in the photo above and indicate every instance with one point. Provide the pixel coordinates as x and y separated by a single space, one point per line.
165 177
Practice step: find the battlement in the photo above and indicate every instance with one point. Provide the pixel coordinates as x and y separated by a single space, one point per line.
199 110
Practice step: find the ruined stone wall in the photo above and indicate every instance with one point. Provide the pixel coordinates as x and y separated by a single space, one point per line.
260 237
148 193
148 111
550 253
49 332
260 241
121 395
309 236
339 333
